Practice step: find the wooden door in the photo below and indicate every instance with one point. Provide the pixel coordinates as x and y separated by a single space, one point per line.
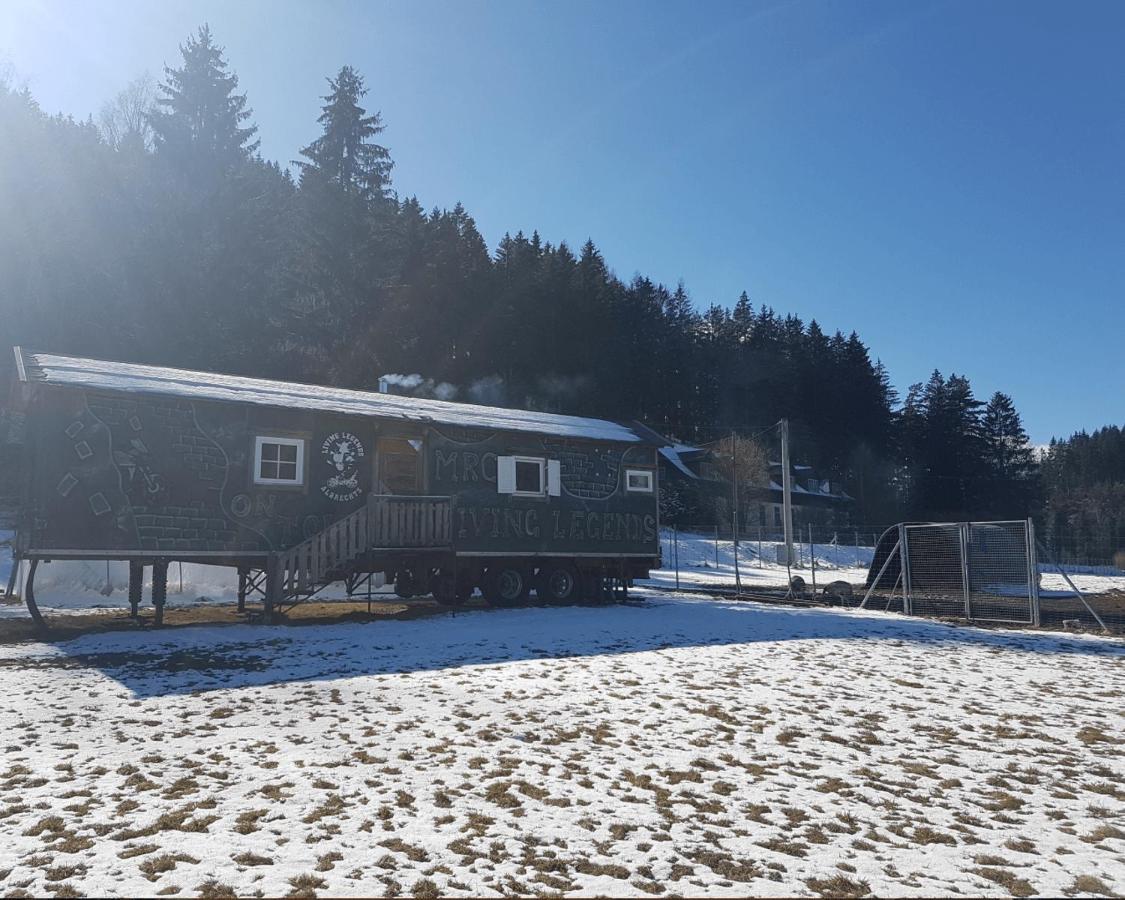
398 466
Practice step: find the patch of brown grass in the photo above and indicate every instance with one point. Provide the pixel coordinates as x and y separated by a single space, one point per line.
1103 832
327 862
497 793
725 865
139 850
398 845
61 873
305 885
251 859
247 821
613 870
787 736
926 835
425 889
1089 884
838 886
1091 734
1017 887
154 866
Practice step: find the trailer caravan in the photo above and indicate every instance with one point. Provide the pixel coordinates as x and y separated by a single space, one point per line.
298 486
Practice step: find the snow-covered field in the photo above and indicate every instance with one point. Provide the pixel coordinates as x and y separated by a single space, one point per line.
679 745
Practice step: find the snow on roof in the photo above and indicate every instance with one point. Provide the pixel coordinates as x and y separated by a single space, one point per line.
97 374
672 454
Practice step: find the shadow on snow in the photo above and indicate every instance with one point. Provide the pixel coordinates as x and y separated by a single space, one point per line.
195 659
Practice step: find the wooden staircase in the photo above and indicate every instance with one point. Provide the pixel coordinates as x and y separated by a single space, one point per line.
386 523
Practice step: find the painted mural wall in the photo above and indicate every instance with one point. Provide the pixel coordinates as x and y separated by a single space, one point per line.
117 471
592 514
121 472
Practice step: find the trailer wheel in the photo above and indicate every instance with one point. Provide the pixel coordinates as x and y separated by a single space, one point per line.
412 583
506 585
443 586
559 583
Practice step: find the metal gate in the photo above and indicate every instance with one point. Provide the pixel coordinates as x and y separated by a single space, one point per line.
983 571
1002 572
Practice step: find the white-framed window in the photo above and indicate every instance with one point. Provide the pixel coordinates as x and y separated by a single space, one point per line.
528 476
639 480
279 461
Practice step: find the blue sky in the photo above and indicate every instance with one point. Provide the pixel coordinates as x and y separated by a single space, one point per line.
947 178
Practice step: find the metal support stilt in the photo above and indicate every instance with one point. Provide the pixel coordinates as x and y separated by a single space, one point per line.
273 587
13 576
29 598
136 586
243 573
159 588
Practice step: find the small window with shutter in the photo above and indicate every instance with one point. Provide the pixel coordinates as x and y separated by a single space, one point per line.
527 476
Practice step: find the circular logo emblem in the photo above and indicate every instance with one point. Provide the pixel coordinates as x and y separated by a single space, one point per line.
343 452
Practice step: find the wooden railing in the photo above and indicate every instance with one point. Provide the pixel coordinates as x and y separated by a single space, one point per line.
386 522
398 521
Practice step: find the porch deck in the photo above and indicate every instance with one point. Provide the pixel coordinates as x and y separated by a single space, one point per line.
386 522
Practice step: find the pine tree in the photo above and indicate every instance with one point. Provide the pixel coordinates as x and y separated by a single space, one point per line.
1009 458
742 317
1007 448
200 122
345 153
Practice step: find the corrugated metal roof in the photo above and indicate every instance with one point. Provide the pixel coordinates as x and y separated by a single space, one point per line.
95 374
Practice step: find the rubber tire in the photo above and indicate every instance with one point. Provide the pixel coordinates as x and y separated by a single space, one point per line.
408 584
444 589
507 585
559 583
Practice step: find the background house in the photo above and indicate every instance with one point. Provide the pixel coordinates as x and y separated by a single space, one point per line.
696 489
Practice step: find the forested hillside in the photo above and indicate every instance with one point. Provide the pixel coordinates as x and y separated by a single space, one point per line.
1084 491
158 234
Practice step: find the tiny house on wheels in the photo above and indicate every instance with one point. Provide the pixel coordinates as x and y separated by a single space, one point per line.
298 486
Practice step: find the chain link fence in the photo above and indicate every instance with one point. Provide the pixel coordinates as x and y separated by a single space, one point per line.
717 558
1099 549
988 572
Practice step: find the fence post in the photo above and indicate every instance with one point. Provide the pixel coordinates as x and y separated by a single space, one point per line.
907 605
716 547
676 554
1032 573
759 546
856 563
964 531
737 572
812 559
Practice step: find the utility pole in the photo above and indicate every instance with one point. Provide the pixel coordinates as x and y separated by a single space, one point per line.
786 493
734 515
